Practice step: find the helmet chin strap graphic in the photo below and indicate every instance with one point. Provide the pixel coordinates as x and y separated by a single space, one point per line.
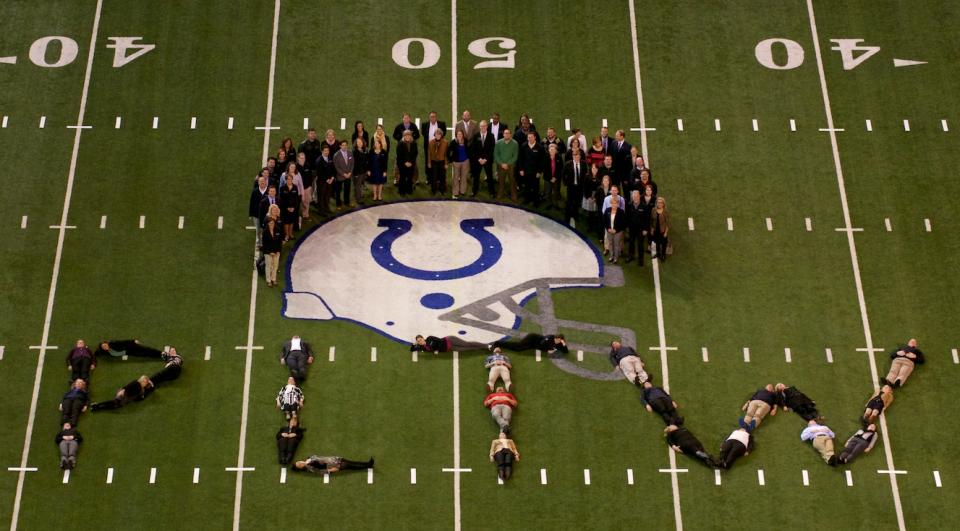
382 250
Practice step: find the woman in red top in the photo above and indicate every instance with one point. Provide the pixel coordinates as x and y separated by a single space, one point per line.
595 154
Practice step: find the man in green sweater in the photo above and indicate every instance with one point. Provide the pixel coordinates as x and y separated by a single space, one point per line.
504 158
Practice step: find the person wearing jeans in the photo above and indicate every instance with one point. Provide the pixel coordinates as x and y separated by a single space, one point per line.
501 405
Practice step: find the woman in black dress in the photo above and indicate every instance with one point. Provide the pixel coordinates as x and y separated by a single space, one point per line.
406 162
378 168
361 168
288 439
289 199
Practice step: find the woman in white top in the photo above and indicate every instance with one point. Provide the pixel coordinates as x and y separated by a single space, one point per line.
503 452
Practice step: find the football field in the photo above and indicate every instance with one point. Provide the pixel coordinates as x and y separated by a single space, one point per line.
804 148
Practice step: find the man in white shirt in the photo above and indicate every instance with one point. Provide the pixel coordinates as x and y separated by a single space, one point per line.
821 437
496 127
296 354
580 137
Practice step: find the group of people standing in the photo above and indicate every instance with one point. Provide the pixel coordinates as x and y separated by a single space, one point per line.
606 182
81 362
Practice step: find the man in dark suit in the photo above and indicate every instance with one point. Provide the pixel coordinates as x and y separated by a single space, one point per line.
326 174
606 140
469 128
621 154
496 127
427 130
481 158
260 187
574 175
270 199
530 164
405 125
524 127
343 164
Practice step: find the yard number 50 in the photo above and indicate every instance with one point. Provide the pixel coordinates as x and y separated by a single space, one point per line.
431 52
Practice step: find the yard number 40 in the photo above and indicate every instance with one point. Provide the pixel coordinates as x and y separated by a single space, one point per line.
125 50
431 52
846 47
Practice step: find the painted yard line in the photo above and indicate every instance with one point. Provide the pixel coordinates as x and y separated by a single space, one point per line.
854 260
906 126
756 125
793 125
156 122
956 356
543 476
333 353
21 469
769 224
586 476
831 130
306 123
629 476
936 479
153 476
239 469
343 123
716 477
829 355
926 224
373 353
746 354
809 223
665 372
251 319
638 129
499 481
453 86
848 229
706 354
806 478
66 476
690 224
283 475
196 475
143 221
729 223
886 223
193 122
220 223
43 122
566 124
579 355
944 126
267 128
109 476
55 276
118 122
206 353
326 478
849 475
538 355
23 222
180 223
413 476
416 122
2 349
788 355
891 472
603 122
716 125
103 222
369 476
456 439
760 479
679 125
869 125
230 122
80 126
413 356
41 347
6 120
380 120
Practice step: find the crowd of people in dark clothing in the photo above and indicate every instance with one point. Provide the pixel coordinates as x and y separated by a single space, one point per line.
604 183
81 362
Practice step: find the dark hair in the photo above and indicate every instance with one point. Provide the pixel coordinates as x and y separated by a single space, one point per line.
418 337
271 158
312 130
559 336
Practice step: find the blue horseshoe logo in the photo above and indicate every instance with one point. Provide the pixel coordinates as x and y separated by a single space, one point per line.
382 250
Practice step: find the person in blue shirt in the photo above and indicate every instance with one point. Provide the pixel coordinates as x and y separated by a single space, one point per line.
499 366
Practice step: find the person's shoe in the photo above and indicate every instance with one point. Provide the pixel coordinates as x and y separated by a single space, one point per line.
897 384
370 463
637 382
506 430
833 460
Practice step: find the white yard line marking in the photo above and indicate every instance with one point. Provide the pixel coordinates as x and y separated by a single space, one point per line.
679 125
603 122
830 130
43 122
4 122
944 126
333 353
55 276
196 475
629 476
787 354
118 122
809 223
690 224
760 479
586 476
566 124
343 123
23 222
543 476
854 260
180 223
926 224
891 472
21 469
416 122
109 476
499 481
306 123
2 349
906 125
746 354
538 355
886 223
956 356
369 476
849 475
230 123
380 121
729 223
103 222
193 122
413 476
220 223
829 355
373 353
793 125
716 476
156 122
143 221
456 439
716 124
579 355
705 353
936 478
806 478
153 476
251 319
413 356
756 125
665 372
66 476
769 224
206 353
283 475
326 478
869 124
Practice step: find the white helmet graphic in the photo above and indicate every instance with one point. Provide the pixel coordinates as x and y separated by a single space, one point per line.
408 268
